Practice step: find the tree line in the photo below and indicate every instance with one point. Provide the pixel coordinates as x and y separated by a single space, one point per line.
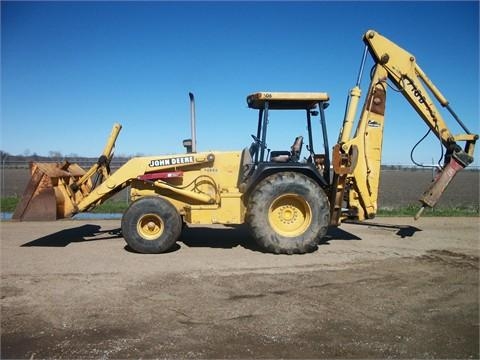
55 156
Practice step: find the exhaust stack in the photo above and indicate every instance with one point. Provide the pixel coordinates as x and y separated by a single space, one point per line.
191 144
193 122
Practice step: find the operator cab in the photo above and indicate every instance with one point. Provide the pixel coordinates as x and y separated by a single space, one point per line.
312 104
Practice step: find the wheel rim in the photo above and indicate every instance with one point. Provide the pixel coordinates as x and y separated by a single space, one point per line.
150 226
290 215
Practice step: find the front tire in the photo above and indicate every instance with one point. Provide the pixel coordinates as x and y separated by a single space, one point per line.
151 225
288 213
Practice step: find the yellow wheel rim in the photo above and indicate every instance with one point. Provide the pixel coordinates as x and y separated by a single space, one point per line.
290 215
150 226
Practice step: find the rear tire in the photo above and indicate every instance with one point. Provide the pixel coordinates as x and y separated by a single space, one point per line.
151 225
288 213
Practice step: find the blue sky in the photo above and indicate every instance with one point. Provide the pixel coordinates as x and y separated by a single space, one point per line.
70 70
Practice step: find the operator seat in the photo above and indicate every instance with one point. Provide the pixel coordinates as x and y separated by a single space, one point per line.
246 165
293 155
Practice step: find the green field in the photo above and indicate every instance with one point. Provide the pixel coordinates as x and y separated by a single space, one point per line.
8 204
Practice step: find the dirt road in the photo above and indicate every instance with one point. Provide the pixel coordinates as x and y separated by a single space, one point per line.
71 289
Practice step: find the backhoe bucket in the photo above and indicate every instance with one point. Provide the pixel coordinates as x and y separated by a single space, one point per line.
48 195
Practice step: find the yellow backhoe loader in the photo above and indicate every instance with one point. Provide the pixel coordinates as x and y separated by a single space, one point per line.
287 198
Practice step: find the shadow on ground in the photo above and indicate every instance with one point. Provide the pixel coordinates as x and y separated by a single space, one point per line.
239 235
222 238
402 230
82 233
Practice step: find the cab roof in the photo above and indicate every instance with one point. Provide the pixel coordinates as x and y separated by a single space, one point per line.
286 100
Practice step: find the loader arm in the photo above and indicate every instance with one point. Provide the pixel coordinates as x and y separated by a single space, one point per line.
142 169
57 191
357 159
103 164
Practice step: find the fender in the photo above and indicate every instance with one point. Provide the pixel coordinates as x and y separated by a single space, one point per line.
268 168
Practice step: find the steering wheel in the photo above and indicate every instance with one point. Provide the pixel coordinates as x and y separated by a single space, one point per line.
258 141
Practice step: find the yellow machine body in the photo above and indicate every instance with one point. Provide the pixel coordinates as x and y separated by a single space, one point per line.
203 187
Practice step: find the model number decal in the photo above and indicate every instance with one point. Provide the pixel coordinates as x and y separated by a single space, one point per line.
417 93
420 97
172 161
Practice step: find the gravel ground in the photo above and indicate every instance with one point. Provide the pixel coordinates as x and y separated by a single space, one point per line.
391 288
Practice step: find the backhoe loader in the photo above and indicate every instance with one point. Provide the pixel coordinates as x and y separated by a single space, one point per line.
288 198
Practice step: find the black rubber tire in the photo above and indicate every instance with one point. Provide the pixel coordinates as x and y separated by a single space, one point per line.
151 225
294 187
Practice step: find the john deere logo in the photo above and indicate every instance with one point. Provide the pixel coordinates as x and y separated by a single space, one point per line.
172 161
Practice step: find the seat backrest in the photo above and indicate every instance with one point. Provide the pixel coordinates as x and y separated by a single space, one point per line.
297 148
246 165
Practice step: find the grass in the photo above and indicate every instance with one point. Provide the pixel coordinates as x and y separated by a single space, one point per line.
112 207
8 204
411 210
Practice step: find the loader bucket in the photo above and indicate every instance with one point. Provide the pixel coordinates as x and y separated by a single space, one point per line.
48 195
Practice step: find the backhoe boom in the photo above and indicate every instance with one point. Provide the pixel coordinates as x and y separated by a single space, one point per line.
357 169
407 75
